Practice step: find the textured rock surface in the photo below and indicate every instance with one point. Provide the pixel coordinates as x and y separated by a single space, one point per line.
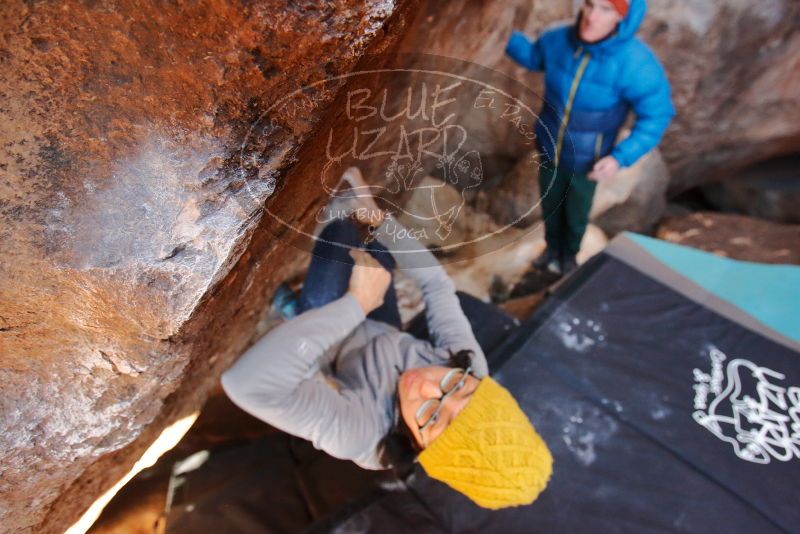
134 256
770 190
734 66
735 72
735 236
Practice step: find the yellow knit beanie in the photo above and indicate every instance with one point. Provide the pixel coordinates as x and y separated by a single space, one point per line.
490 452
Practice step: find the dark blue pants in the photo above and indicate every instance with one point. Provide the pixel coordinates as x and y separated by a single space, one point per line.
328 276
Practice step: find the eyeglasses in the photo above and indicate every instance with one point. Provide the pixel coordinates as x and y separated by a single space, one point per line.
428 413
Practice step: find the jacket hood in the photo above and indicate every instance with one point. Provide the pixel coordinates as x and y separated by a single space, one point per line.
626 29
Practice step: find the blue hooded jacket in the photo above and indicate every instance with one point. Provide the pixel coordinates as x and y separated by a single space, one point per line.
589 89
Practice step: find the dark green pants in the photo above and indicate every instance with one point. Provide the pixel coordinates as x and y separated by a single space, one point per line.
566 202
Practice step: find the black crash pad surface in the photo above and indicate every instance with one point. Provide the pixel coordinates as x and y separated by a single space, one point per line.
617 372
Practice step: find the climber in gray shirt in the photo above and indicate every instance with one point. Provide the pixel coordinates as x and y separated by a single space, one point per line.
344 376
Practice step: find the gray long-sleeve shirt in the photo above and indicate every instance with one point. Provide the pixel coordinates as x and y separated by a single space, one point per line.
285 378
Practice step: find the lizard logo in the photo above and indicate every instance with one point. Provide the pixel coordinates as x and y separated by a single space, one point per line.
748 406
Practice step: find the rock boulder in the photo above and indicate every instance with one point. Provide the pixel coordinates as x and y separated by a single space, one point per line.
770 190
735 236
139 145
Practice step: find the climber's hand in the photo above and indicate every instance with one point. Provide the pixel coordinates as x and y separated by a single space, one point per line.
366 209
368 281
605 169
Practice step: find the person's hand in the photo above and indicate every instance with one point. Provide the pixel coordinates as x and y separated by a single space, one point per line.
369 280
366 210
605 169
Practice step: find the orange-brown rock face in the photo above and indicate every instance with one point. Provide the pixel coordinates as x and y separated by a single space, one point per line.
735 236
134 257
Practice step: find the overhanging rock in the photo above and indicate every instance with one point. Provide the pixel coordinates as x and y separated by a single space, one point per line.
134 257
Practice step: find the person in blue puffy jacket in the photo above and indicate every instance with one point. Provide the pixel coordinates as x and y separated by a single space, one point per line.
595 71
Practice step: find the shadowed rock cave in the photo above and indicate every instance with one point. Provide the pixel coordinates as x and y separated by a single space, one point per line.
148 185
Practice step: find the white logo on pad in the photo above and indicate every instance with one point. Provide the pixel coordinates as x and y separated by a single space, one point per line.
747 406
